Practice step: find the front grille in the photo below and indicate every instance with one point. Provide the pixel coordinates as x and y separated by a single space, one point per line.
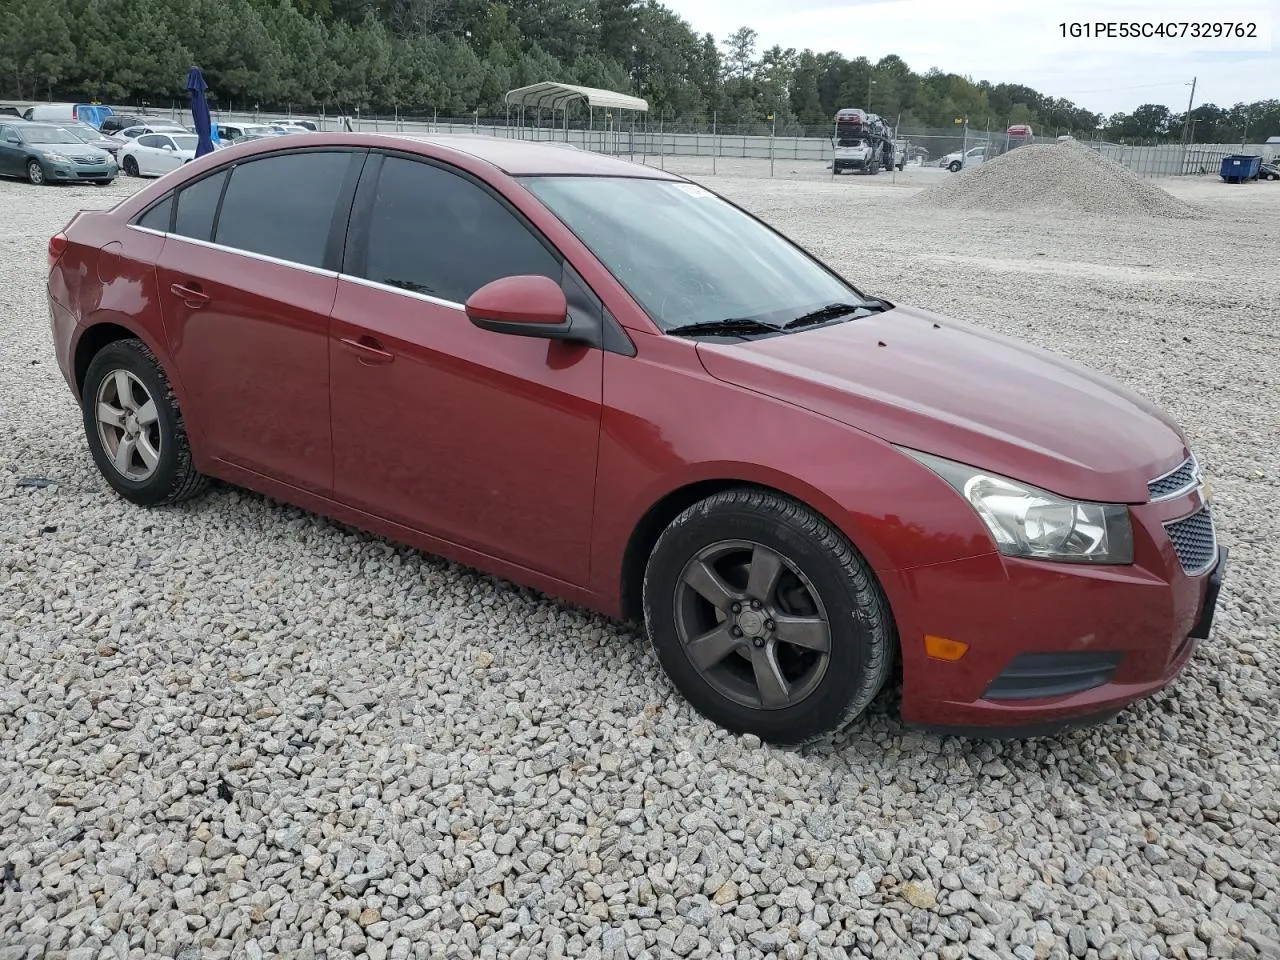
1032 675
90 161
1195 541
1176 481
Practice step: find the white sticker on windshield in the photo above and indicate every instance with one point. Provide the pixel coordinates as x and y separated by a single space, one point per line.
693 190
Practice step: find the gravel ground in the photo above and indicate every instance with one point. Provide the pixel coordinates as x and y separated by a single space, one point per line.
236 729
1054 177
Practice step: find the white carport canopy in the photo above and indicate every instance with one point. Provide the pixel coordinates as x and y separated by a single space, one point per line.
557 96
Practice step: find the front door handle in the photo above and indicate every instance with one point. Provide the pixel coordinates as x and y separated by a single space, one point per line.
190 293
367 349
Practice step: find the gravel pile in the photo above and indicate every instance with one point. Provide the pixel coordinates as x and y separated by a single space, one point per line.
1064 176
233 729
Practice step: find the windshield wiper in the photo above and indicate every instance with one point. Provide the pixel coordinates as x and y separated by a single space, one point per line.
730 326
832 311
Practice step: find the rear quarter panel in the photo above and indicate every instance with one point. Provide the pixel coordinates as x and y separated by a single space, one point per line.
107 275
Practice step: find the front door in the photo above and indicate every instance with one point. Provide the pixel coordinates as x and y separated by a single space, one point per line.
483 439
247 289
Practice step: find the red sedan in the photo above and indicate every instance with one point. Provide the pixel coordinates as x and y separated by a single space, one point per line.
607 382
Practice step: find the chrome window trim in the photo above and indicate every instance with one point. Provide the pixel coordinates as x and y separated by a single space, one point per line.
438 301
252 255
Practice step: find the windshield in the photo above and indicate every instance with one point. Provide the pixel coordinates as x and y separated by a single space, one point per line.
185 141
686 255
83 134
47 135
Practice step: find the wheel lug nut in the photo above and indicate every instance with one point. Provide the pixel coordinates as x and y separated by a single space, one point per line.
755 604
736 607
758 641
736 631
769 624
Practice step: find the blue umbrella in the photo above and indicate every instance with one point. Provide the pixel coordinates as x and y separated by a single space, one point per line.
200 110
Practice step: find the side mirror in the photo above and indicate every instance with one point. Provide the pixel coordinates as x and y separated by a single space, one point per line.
169 147
526 306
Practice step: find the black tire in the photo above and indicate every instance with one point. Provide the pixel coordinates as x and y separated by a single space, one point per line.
955 166
131 167
35 173
861 637
174 477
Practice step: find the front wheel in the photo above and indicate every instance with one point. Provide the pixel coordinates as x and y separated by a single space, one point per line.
766 618
134 427
131 167
954 166
35 172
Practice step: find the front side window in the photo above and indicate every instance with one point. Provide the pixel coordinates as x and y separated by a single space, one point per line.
437 233
283 206
686 255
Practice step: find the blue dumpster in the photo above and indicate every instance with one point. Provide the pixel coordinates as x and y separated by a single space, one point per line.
1238 168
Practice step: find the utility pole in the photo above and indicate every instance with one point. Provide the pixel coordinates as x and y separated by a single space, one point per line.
1186 123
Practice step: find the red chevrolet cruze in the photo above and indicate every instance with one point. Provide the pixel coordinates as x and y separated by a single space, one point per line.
609 383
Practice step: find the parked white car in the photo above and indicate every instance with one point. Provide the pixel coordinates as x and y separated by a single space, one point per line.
970 158
141 129
155 154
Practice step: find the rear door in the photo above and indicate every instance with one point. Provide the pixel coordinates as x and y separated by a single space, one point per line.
247 281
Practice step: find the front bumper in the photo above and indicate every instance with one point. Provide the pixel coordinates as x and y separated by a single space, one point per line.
1052 646
69 172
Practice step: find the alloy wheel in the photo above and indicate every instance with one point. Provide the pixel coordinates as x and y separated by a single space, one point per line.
752 624
128 425
35 173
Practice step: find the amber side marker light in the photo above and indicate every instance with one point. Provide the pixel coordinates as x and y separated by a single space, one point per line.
940 648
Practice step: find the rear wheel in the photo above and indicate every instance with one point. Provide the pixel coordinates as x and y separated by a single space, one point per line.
766 618
134 427
35 172
131 167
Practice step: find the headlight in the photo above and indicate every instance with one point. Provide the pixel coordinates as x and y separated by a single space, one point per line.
56 158
1028 522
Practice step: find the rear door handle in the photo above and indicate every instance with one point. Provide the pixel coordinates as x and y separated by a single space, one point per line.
190 293
367 349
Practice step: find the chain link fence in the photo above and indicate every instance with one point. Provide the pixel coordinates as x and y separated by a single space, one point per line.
644 137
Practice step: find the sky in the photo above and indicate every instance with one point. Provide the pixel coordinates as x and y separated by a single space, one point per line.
1020 41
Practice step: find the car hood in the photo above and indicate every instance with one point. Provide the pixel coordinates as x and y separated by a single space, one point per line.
68 149
942 386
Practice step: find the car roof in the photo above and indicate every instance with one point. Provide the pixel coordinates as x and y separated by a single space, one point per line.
524 157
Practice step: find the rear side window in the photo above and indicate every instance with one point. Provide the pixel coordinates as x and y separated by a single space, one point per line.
157 218
151 140
434 232
197 205
282 206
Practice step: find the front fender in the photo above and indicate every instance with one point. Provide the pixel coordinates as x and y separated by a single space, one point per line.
896 512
